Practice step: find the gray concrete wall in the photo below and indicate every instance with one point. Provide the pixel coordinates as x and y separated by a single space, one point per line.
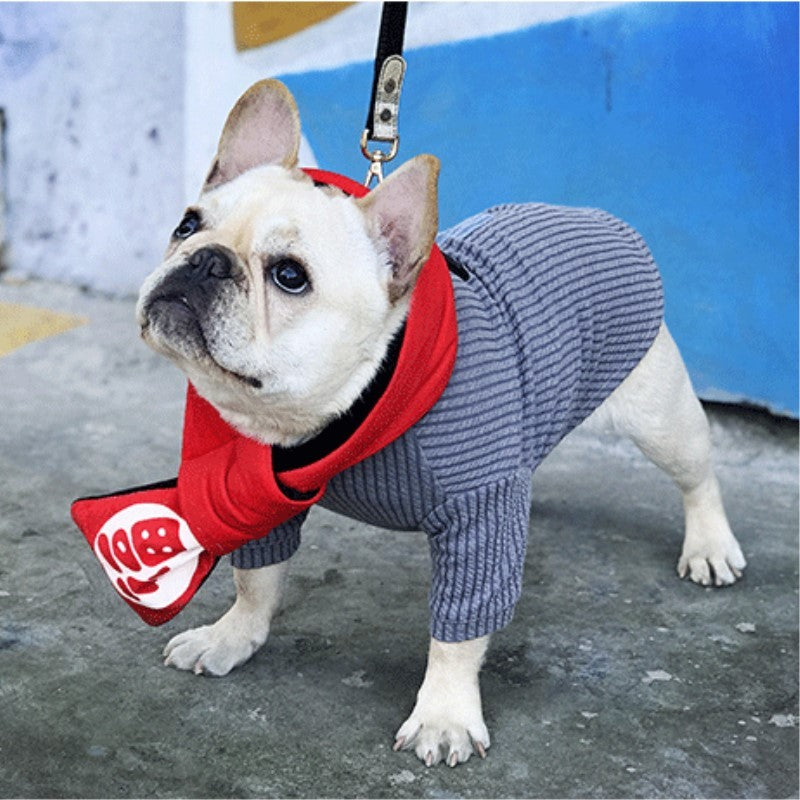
93 99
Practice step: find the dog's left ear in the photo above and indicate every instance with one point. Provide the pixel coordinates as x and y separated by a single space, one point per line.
262 128
403 217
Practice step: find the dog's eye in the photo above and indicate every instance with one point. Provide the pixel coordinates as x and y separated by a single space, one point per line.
289 276
190 224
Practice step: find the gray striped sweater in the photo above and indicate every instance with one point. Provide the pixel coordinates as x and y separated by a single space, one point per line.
559 306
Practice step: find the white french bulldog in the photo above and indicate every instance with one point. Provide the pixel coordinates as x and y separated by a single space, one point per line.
281 344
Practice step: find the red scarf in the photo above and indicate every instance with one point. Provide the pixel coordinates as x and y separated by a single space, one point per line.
158 543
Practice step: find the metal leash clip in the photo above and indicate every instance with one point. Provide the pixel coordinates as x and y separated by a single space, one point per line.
384 117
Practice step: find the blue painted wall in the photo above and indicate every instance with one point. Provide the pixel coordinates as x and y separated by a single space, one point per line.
679 118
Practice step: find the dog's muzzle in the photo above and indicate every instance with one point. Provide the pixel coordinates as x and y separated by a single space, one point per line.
176 313
196 282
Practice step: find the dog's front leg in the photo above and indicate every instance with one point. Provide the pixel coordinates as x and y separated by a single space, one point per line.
447 720
216 649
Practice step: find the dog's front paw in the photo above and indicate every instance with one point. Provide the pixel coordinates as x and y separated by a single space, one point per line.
447 721
214 649
444 728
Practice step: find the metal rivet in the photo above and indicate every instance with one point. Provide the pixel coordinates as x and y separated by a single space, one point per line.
389 86
386 115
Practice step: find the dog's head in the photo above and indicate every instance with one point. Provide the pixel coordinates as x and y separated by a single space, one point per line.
278 297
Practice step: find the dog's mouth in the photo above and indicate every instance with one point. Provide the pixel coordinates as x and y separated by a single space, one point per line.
170 321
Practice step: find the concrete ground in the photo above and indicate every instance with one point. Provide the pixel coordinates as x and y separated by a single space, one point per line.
614 680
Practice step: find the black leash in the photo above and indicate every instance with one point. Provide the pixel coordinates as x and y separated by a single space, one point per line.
387 82
390 43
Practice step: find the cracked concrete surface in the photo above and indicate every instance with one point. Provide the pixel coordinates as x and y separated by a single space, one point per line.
615 679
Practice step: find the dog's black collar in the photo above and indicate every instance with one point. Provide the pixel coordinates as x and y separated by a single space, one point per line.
456 268
337 432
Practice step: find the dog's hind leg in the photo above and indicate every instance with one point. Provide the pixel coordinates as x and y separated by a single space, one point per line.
216 649
657 408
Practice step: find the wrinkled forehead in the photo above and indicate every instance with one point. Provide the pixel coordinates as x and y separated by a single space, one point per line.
264 192
271 209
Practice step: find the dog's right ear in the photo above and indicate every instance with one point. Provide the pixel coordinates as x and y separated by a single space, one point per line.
262 128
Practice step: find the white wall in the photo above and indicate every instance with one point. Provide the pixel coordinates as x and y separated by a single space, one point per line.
216 75
93 97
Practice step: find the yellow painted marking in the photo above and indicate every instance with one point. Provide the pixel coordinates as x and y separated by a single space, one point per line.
20 325
257 24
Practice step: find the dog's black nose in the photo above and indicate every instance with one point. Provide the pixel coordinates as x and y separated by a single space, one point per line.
210 262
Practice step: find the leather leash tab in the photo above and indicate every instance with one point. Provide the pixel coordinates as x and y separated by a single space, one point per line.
387 82
387 99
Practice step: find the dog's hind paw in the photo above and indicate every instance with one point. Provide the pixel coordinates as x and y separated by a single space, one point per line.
712 562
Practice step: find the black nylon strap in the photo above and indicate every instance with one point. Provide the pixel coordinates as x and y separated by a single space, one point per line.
390 43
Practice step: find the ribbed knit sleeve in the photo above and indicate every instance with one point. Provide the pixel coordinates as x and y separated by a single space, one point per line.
477 541
279 545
